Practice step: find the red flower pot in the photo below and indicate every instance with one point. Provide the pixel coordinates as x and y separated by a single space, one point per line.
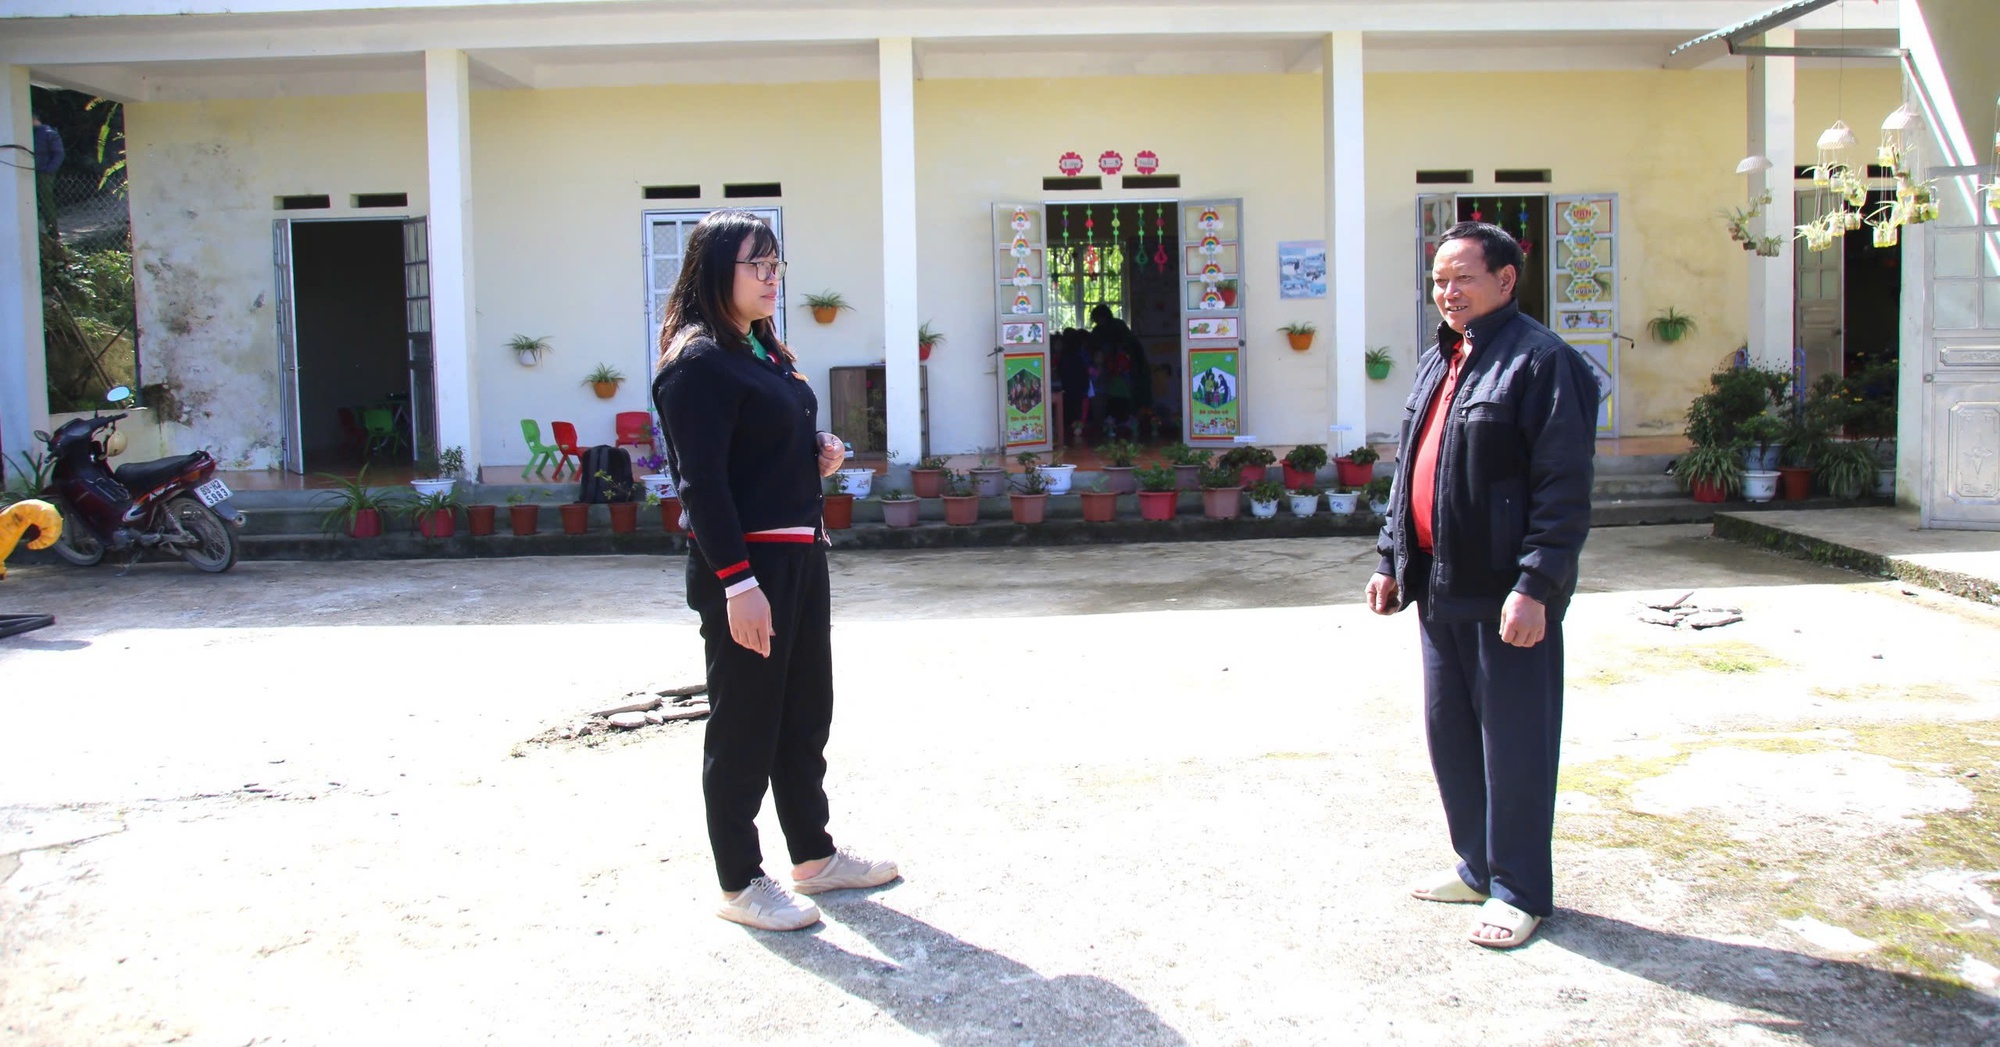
927 483
670 515
1158 505
1297 478
439 524
838 512
1708 492
1029 508
961 511
523 519
1228 297
1795 483
1252 474
575 517
479 519
1099 507
1221 503
1352 475
624 517
367 523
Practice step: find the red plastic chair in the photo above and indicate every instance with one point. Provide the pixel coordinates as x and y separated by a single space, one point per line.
353 438
634 427
567 451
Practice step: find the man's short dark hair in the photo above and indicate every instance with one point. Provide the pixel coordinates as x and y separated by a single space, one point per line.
1499 246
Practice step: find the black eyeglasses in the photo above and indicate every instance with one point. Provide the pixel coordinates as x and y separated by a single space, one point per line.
766 270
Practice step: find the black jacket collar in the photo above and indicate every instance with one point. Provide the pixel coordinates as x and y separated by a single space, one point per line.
1481 330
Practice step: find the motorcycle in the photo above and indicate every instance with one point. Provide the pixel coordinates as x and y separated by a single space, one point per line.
171 505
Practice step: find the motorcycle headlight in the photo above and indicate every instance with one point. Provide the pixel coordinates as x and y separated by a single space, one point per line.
114 444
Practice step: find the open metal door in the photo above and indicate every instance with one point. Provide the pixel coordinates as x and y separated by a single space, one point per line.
1021 326
1817 279
417 330
1583 280
1961 360
291 449
1212 332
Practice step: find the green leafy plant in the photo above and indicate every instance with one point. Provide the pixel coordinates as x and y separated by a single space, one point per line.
1300 327
1241 457
895 494
1363 455
1670 326
1101 485
1182 454
835 485
1306 458
520 497
932 461
618 490
451 462
1762 432
1157 478
1121 453
1379 356
1846 469
929 337
1034 481
348 499
1218 477
33 476
958 484
1028 460
1308 491
827 300
424 505
532 348
604 374
1377 490
1266 491
989 457
1715 465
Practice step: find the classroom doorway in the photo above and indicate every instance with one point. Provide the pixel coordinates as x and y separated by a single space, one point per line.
1126 258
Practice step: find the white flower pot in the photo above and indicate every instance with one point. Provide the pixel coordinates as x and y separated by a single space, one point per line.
430 487
660 485
1263 510
1304 504
1379 508
1342 504
857 482
1059 477
1885 482
1760 485
527 359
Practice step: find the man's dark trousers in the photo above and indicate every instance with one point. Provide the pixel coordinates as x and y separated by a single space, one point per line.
1493 717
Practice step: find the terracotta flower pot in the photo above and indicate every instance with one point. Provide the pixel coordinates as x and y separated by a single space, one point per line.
1099 507
575 517
604 390
1352 475
961 511
1158 505
825 313
901 513
479 519
927 483
1297 478
1119 479
439 524
1795 483
624 517
524 518
1222 503
1707 492
1188 477
1300 342
1029 508
838 511
670 515
367 523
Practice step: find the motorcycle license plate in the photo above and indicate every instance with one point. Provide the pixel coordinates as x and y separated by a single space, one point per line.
213 493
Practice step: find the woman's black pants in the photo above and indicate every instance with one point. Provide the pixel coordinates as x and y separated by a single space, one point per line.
768 717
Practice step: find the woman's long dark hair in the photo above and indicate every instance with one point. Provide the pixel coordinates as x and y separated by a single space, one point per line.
701 300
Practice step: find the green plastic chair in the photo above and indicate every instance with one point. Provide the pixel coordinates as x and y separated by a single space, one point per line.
541 455
379 423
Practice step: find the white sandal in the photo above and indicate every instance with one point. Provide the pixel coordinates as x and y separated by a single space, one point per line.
1495 913
1445 887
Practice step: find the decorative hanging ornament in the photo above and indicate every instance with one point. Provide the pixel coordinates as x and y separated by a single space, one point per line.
1071 164
1110 162
1527 245
1160 235
1209 221
1477 214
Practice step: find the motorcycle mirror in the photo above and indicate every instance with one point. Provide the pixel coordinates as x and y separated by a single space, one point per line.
42 436
117 393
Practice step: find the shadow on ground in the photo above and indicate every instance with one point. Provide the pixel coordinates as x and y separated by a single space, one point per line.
1829 1002
953 992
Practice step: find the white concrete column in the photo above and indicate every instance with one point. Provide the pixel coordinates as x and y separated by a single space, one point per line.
24 381
1773 127
899 248
454 327
1346 239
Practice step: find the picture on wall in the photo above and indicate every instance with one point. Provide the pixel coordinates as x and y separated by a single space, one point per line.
1213 327
1215 407
1027 399
1025 333
1302 269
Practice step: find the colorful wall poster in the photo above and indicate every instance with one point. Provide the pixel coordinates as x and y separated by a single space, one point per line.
1302 269
1029 332
1026 390
1211 327
1215 401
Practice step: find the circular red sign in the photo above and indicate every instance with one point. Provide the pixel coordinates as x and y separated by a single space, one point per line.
1146 162
1070 164
1111 163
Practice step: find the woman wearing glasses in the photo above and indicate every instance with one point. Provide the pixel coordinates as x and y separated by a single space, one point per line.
741 445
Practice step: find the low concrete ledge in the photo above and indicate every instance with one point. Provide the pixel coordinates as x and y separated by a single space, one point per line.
1833 539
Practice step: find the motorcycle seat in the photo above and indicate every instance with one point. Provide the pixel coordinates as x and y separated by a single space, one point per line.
140 477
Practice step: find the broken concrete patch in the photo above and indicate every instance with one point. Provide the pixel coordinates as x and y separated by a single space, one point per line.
1777 792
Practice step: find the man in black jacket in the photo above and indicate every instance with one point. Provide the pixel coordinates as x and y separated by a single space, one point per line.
1489 514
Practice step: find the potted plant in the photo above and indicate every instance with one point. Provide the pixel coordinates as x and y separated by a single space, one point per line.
435 514
1221 490
604 381
1377 492
826 305
1159 492
1249 462
1264 495
927 476
961 499
927 339
575 517
1300 334
859 481
1120 456
1031 502
1872 390
1100 502
899 509
1711 472
1379 362
670 510
1341 501
623 509
479 518
1809 427
1762 434
989 477
523 513
437 470
353 507
528 351
1357 467
1670 326
1305 500
837 507
1846 469
1058 472
1188 462
1302 465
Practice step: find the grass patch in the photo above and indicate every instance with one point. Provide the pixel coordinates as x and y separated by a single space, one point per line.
1919 692
1724 658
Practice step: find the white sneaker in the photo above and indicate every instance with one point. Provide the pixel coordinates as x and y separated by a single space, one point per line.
768 907
846 870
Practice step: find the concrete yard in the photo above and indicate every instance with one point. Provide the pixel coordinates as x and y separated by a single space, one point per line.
1141 794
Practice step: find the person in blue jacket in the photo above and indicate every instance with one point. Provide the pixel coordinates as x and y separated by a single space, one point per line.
49 157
